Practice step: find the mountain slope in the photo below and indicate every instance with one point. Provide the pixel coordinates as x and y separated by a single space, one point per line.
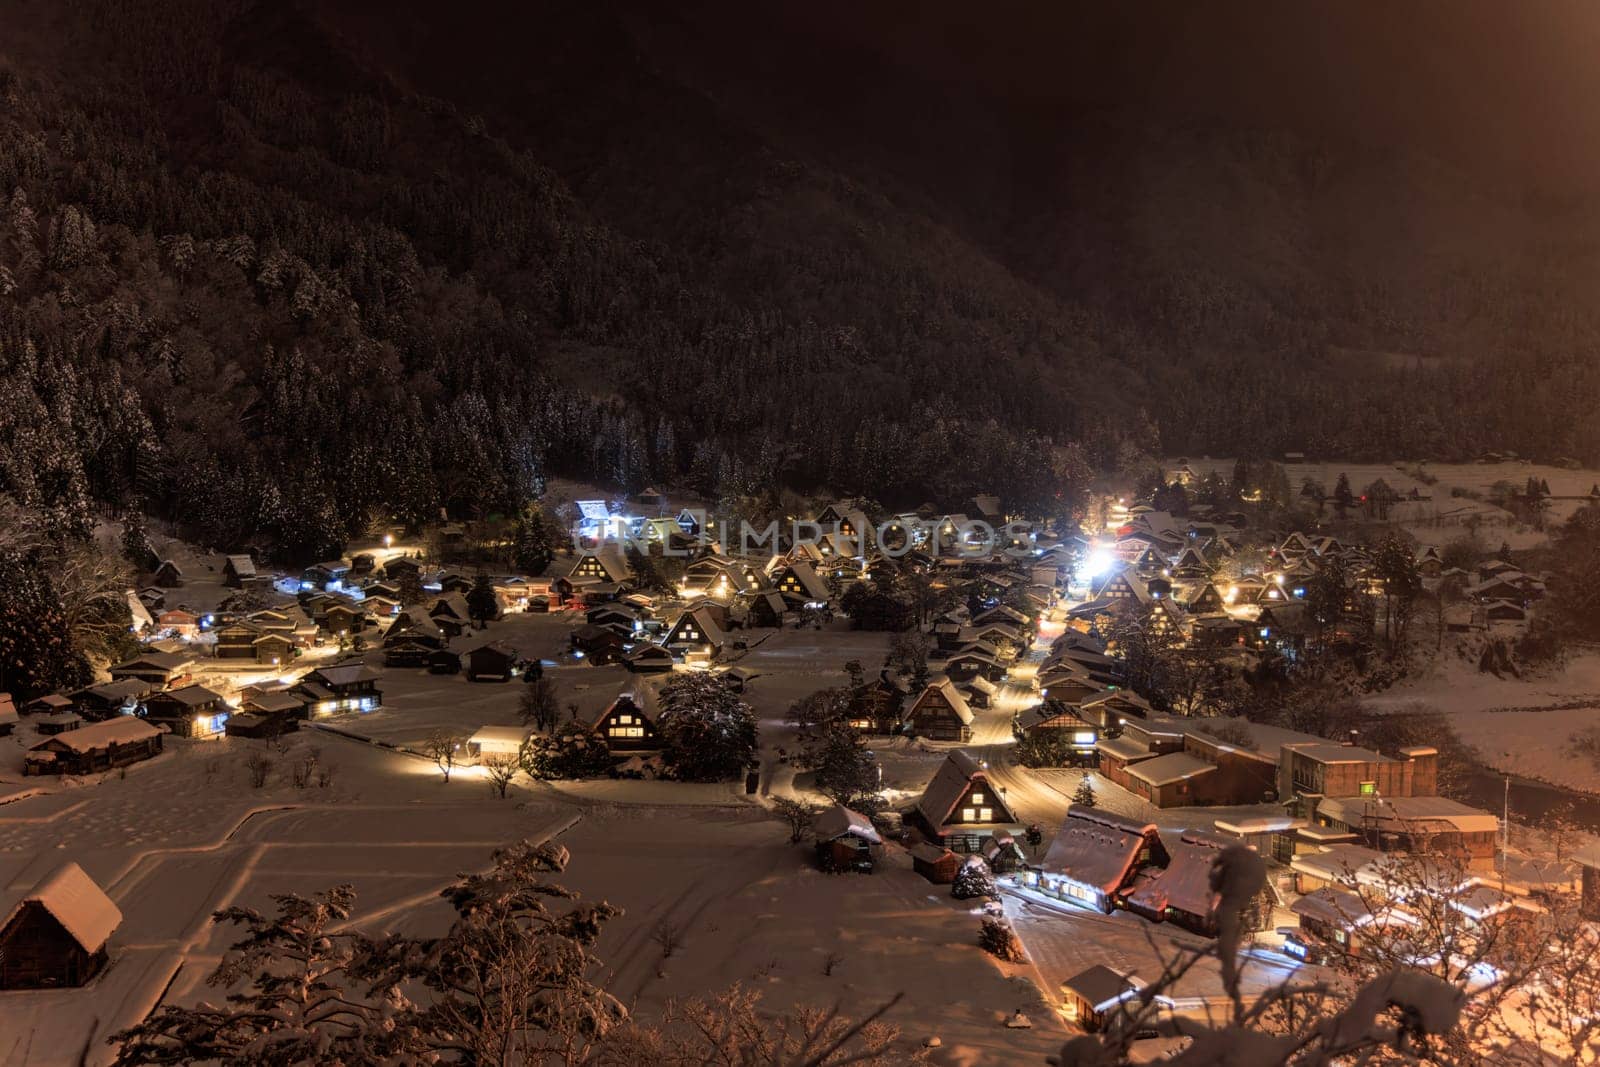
276 268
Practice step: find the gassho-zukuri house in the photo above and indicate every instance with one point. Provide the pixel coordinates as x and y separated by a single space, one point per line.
961 808
1095 858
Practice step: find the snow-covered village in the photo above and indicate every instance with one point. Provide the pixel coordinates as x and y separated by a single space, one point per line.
799 534
968 779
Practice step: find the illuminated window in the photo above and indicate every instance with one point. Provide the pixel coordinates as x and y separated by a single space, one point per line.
977 798
969 815
1369 788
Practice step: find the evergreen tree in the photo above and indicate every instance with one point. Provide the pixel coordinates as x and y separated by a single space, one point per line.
707 733
136 541
482 604
1343 498
996 937
1575 591
974 880
533 548
1084 796
845 771
570 753
409 585
645 574
38 651
1396 567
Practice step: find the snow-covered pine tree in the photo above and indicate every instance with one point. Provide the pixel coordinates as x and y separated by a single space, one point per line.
973 880
997 938
508 982
1084 796
707 733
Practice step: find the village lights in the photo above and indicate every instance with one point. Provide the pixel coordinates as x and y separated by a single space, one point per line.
1099 562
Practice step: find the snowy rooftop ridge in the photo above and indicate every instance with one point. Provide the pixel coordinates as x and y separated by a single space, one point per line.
122 730
77 903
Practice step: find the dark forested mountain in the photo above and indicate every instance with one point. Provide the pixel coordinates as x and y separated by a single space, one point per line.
274 268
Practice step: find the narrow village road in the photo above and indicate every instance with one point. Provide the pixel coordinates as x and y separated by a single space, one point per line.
1030 798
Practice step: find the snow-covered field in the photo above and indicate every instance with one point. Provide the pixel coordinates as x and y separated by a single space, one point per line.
1517 726
1443 517
173 839
183 835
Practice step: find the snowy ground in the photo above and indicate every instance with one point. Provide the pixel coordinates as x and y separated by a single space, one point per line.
178 837
1441 519
183 835
1520 727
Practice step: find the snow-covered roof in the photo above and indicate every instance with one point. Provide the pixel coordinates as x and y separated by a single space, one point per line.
711 632
1123 748
190 696
278 701
839 820
610 558
948 786
1402 813
1334 752
163 661
73 900
1185 883
640 701
1096 848
1173 767
122 730
813 586
1101 986
500 735
344 673
952 696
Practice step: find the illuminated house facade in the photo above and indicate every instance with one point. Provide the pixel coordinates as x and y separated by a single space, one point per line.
605 564
695 632
1096 857
799 579
961 808
343 687
1056 719
193 711
627 727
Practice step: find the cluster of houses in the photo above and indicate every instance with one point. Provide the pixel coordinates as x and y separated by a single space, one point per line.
1495 593
112 724
1191 577
1355 824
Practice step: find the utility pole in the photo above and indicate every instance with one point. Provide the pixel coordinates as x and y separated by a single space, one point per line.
1505 827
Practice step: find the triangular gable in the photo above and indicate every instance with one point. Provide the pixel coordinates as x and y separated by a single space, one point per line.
955 781
73 899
